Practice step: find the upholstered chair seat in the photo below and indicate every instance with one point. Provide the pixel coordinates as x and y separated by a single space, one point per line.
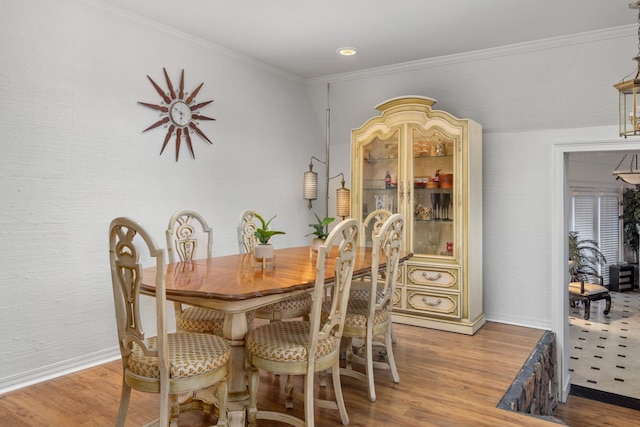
189 355
286 342
358 313
204 320
293 307
360 289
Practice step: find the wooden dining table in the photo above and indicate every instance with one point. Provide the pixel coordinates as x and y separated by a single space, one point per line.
238 284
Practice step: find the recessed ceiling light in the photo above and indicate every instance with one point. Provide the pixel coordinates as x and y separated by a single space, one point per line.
347 51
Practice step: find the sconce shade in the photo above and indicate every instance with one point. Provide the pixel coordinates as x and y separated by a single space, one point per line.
343 202
310 185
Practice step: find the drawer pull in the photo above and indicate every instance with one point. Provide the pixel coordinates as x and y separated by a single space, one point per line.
432 304
431 278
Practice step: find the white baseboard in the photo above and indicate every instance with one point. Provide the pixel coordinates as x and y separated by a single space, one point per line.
515 321
566 388
24 379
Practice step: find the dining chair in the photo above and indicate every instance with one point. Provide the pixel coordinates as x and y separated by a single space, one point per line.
167 363
297 306
301 347
370 227
189 237
371 317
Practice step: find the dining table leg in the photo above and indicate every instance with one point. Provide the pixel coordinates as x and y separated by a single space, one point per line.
235 331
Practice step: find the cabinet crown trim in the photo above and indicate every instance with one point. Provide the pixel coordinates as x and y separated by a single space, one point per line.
405 100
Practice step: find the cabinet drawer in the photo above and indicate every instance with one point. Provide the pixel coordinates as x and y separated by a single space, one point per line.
432 303
432 276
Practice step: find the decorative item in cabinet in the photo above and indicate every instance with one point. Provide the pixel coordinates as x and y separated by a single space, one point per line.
424 213
439 191
384 201
421 181
446 180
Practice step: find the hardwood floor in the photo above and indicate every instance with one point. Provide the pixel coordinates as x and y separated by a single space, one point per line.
446 379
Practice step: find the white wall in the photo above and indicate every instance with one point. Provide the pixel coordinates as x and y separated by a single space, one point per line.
73 157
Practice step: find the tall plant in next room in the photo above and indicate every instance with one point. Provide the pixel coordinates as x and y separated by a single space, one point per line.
585 257
631 219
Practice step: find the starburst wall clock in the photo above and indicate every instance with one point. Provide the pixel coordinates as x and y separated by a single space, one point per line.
179 112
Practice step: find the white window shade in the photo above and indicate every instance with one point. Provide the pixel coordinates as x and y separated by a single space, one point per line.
595 216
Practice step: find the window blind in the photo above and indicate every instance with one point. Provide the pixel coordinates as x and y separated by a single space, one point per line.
595 216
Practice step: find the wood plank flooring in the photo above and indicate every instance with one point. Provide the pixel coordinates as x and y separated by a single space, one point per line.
446 379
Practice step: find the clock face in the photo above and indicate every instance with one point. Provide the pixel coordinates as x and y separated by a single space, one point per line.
179 112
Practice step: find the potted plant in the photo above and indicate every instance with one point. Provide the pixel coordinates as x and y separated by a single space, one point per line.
264 250
631 219
585 257
320 231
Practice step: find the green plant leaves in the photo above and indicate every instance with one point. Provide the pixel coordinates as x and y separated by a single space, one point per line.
320 227
263 233
585 256
630 218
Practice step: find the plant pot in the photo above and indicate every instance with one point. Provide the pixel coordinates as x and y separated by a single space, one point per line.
316 243
263 252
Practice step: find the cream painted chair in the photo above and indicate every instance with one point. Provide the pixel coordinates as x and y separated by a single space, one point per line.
371 317
370 227
189 237
168 363
298 306
299 347
372 224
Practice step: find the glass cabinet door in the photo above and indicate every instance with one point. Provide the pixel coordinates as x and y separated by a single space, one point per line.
380 177
434 216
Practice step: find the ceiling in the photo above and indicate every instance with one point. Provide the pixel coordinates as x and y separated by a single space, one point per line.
301 37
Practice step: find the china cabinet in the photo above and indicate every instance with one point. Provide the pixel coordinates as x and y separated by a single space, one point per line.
427 165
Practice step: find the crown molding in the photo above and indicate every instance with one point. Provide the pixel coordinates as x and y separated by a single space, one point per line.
507 50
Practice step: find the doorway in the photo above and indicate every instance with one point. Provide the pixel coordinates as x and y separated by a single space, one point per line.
559 231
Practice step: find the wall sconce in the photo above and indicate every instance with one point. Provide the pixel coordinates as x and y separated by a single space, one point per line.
310 190
343 199
310 183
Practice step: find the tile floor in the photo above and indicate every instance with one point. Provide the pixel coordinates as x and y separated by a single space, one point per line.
604 351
